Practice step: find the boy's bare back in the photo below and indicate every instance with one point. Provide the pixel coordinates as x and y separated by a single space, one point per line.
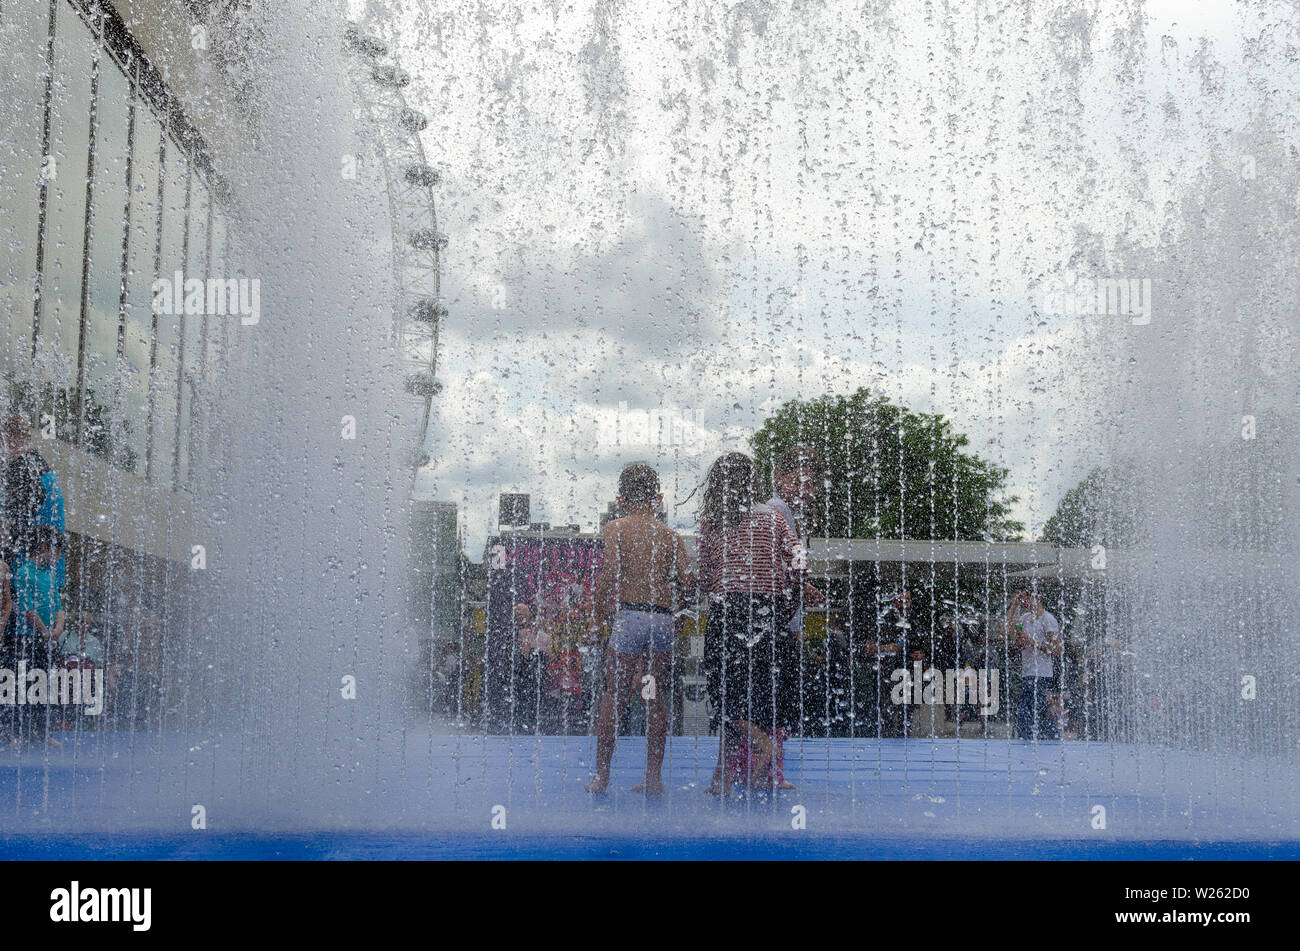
645 562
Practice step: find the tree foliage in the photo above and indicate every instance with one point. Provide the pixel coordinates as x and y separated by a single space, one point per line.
1100 510
890 472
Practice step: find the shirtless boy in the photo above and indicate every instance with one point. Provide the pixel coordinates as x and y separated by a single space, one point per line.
645 572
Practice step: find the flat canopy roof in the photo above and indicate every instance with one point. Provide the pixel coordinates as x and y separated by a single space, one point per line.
831 557
1042 559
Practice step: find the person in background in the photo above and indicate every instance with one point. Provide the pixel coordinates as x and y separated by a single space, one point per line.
39 606
135 656
795 478
996 652
945 655
827 691
1037 635
531 701
1065 698
8 631
566 615
80 640
956 647
643 580
31 494
81 649
6 602
898 646
447 679
37 599
31 507
751 565
797 474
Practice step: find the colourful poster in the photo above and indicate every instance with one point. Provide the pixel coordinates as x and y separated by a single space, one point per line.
543 647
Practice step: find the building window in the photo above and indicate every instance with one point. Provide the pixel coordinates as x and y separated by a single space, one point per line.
103 288
22 114
164 397
106 189
142 248
59 320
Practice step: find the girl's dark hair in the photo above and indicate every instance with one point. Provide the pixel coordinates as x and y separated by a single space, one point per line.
728 492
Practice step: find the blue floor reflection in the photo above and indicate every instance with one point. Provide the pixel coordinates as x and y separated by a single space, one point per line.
428 796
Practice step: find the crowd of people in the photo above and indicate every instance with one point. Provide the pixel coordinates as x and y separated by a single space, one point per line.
765 679
32 573
40 632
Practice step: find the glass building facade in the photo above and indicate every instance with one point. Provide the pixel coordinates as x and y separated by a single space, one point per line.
106 188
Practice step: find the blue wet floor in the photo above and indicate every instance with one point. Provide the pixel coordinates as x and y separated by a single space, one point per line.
336 846
465 796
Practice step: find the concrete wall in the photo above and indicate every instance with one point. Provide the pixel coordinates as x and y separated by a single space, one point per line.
121 508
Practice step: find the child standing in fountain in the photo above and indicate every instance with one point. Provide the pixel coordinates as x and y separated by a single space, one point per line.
751 564
647 575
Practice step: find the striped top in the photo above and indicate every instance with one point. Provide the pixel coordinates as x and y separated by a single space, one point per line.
759 555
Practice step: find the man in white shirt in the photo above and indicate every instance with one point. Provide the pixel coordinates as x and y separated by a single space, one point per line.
1037 635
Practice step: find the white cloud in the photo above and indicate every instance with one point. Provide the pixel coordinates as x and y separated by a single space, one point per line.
708 211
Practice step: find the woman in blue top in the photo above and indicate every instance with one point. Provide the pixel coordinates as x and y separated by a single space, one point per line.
36 592
39 610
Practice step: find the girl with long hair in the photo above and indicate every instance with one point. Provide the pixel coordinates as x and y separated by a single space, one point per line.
750 565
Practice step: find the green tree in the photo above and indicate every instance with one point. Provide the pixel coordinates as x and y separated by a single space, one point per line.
890 472
1098 511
